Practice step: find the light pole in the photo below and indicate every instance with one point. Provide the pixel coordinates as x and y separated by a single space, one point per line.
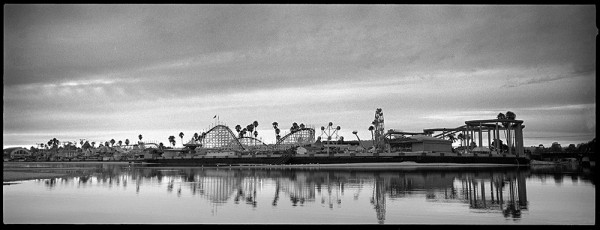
329 132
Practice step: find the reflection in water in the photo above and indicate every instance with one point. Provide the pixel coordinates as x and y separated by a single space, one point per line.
378 198
507 190
490 189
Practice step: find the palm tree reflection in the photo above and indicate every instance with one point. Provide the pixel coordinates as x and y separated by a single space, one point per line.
503 191
378 198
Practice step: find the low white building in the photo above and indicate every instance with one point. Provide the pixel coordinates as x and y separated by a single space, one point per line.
15 153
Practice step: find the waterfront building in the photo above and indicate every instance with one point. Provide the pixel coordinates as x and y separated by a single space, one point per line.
16 153
419 143
68 153
302 150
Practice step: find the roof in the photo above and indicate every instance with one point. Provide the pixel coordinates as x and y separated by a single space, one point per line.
421 138
13 149
404 133
427 138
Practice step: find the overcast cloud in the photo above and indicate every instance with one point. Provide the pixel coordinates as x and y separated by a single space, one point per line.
99 72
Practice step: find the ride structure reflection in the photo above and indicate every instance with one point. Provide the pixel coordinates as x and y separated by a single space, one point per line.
502 190
506 191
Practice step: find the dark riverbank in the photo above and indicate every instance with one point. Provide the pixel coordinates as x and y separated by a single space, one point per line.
14 171
349 159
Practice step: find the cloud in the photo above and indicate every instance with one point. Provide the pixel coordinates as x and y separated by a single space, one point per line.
563 107
535 80
462 115
159 66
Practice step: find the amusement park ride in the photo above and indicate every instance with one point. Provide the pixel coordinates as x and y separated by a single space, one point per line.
330 132
221 146
221 137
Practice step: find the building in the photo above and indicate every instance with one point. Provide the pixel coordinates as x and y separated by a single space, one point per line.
16 153
69 153
302 150
419 143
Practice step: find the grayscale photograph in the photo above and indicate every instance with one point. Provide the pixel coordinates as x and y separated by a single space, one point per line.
299 114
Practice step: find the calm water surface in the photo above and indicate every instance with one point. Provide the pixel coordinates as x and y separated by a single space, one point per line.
113 193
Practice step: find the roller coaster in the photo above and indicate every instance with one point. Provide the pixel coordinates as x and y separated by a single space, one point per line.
298 137
222 137
252 143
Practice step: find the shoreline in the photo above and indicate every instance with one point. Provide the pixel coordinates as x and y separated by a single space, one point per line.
75 162
377 165
11 176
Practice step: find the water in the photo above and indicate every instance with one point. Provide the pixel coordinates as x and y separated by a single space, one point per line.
116 193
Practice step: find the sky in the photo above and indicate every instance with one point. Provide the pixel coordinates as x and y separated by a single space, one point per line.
101 72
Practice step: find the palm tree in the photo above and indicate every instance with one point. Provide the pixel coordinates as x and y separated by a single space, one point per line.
510 116
54 142
255 124
172 140
302 126
461 137
238 128
501 116
93 144
250 128
255 133
243 132
127 142
181 136
140 137
195 136
371 128
275 124
120 142
451 137
112 142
